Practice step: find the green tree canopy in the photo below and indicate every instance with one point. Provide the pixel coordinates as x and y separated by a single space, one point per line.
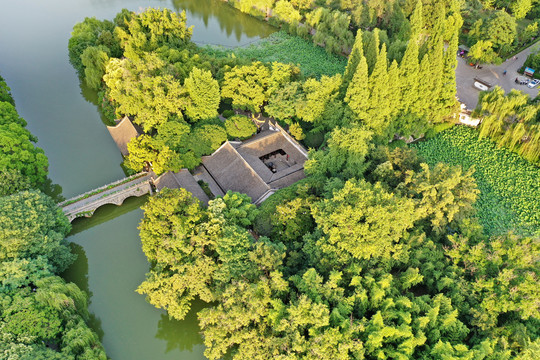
364 221
141 90
203 95
240 126
19 154
32 225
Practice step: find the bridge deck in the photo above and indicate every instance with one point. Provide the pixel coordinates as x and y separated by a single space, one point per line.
115 193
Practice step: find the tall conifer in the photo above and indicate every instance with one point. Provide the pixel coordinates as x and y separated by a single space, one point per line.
408 75
394 91
371 48
379 108
448 84
357 95
357 53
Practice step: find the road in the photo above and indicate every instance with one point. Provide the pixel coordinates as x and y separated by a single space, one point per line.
493 74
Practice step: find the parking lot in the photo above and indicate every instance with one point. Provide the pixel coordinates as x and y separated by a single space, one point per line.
494 75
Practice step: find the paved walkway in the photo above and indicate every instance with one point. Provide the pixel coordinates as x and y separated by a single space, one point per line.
493 74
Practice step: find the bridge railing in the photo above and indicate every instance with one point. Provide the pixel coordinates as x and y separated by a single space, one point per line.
101 189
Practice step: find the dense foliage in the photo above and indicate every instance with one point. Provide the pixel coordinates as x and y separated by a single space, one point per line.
22 164
157 75
493 29
328 276
512 121
376 254
508 184
41 316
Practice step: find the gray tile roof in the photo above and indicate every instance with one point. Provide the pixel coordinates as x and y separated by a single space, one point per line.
181 179
232 172
122 133
238 167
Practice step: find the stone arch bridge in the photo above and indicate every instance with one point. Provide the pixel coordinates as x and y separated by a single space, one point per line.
86 204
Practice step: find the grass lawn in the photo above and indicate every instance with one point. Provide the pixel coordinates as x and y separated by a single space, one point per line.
509 184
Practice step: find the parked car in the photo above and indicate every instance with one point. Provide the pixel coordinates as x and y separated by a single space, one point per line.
533 83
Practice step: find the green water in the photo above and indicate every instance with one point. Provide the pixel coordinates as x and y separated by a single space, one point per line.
82 156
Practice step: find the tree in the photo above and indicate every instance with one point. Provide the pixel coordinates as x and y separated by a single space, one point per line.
236 208
205 139
285 11
282 103
504 273
239 126
88 33
94 60
32 225
520 8
13 181
144 150
321 104
447 96
501 30
180 249
19 154
363 221
332 29
152 99
152 29
357 53
203 95
357 96
409 75
173 134
246 86
9 115
345 158
371 48
379 109
446 194
5 92
482 52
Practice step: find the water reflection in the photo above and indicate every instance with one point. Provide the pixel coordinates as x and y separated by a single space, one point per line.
229 20
78 274
107 213
181 335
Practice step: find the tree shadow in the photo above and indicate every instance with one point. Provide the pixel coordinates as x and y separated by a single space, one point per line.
181 335
53 190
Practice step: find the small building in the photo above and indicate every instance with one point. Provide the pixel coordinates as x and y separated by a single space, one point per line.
181 179
528 72
123 132
258 167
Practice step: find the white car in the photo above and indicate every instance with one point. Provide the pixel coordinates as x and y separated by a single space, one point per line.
533 83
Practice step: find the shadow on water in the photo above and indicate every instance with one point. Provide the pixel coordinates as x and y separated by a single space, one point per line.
106 213
77 273
92 97
53 190
181 335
